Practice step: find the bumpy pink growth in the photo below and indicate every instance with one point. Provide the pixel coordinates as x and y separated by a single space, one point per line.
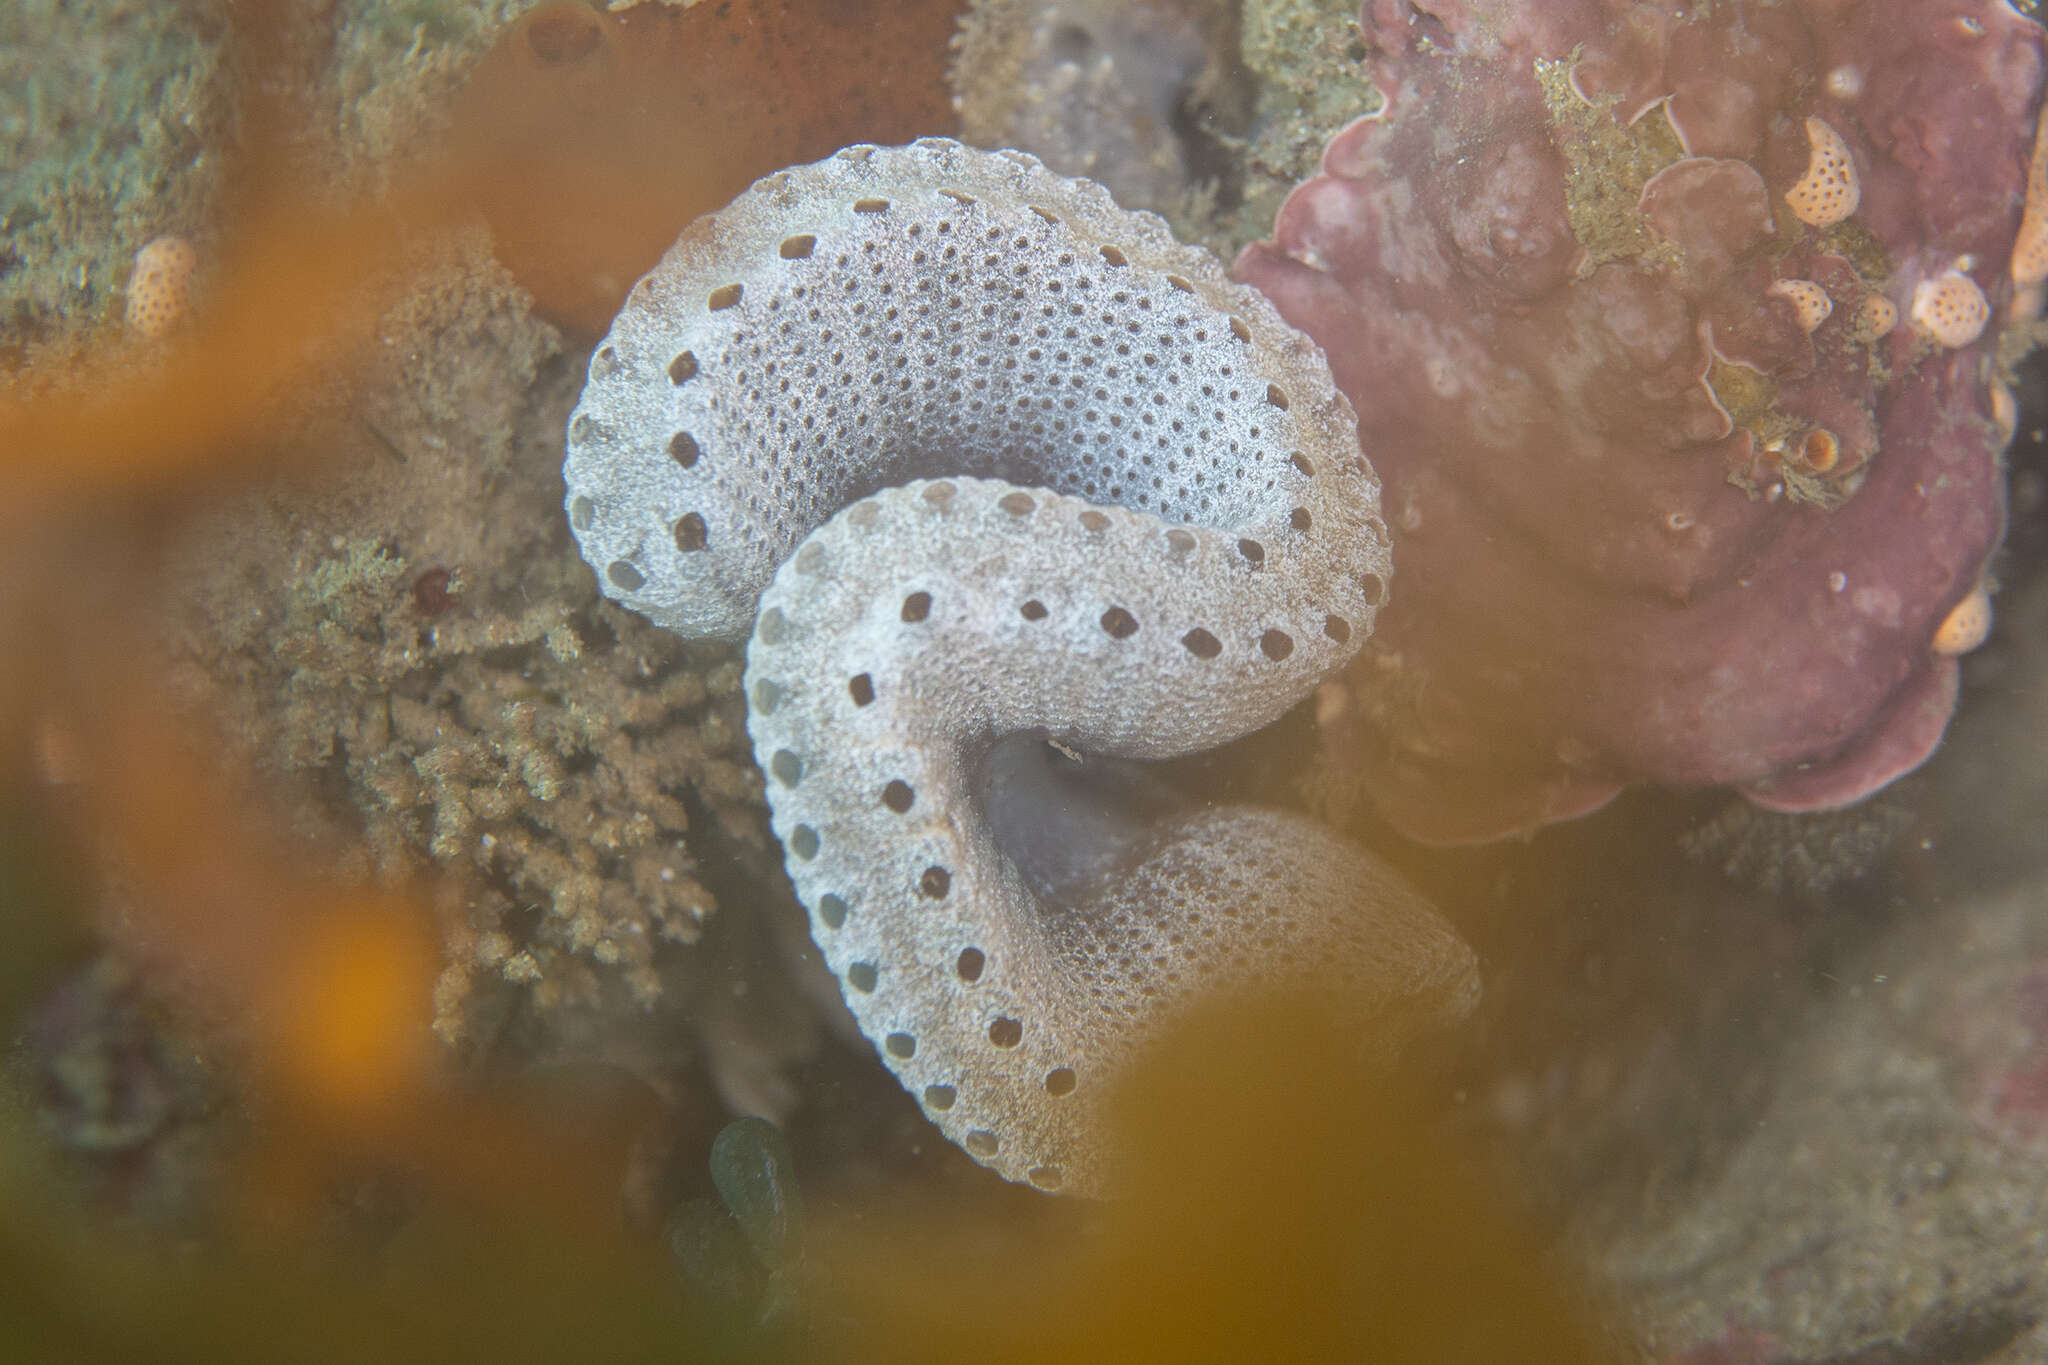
1658 514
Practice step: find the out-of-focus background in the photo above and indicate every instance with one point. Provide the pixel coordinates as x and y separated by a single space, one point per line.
391 933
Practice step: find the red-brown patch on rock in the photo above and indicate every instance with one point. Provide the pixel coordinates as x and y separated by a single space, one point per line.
600 134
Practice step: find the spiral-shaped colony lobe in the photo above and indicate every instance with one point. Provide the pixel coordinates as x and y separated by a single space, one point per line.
1090 488
922 623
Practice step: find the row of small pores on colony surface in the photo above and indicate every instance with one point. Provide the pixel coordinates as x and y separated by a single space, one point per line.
932 883
691 534
690 531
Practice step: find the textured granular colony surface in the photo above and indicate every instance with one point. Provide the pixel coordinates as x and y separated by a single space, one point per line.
853 335
1017 464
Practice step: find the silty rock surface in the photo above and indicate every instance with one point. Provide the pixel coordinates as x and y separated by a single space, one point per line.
1675 333
1131 95
1008 486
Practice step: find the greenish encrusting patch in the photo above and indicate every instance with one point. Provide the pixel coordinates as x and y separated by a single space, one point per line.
348 591
416 22
740 1255
110 114
1747 394
1309 61
1607 163
1850 240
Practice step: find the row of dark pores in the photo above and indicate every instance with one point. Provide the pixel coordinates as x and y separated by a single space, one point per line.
799 479
764 364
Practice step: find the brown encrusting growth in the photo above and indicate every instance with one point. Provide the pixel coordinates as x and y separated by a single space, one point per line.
1143 96
455 678
603 133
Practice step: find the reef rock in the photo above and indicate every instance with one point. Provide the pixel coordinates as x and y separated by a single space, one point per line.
1675 332
591 132
1137 95
1009 487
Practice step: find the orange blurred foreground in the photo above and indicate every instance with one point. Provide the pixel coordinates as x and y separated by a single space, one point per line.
1289 1206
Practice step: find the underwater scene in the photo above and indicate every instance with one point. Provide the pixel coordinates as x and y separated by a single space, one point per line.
1008 680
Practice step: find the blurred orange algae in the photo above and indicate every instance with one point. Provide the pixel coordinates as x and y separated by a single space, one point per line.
600 134
329 982
586 140
287 313
333 981
326 984
350 1008
1290 1203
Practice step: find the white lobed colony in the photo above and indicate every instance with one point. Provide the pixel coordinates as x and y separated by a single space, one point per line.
977 454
